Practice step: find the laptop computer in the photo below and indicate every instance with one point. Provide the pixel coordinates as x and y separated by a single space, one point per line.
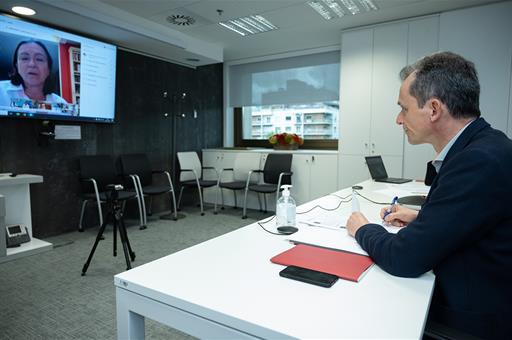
378 171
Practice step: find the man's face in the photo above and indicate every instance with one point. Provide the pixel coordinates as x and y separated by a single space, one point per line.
414 120
32 64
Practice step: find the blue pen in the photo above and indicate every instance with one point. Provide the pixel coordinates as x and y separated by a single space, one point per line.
390 209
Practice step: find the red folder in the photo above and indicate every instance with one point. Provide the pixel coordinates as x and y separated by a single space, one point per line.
348 266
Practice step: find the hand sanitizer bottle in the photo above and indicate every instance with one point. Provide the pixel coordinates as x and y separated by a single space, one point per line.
285 208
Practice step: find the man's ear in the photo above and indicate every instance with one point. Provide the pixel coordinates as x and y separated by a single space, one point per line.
436 109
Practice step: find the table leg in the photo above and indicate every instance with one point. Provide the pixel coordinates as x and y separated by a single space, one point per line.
130 325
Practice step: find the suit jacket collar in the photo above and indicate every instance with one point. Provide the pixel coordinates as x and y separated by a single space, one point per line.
476 126
466 136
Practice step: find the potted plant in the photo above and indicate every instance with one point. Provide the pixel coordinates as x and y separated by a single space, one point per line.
286 141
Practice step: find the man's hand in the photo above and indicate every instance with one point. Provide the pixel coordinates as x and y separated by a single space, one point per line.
400 216
354 222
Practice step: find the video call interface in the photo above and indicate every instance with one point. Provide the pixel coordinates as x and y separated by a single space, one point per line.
47 73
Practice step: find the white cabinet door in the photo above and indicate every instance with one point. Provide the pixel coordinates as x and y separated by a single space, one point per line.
393 165
324 175
219 160
355 91
301 168
352 170
423 40
389 57
314 176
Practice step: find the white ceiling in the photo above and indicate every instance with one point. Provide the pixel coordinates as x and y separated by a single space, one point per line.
142 26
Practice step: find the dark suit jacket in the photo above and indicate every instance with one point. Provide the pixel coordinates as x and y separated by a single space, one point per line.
464 233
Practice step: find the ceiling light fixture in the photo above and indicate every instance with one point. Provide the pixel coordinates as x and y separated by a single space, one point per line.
23 10
330 9
351 6
324 12
252 24
335 7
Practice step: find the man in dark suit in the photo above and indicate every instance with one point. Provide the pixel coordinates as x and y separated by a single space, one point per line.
464 230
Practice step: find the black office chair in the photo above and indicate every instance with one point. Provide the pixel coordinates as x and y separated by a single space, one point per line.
235 178
137 169
191 175
276 172
96 172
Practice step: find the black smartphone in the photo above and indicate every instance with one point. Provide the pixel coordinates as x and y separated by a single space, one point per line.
309 276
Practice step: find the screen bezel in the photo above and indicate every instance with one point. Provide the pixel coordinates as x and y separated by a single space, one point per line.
67 119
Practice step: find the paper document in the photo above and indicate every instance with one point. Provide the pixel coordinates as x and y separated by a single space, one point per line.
409 189
335 239
333 220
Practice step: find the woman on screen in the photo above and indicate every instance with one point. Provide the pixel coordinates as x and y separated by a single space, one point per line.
30 75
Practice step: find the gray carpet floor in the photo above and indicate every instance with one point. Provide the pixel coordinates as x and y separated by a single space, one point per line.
44 296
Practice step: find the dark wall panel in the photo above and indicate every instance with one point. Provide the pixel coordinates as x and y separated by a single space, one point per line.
141 126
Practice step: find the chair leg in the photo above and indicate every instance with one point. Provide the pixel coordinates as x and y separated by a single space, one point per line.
216 199
236 204
142 211
174 204
265 199
100 213
80 227
179 198
140 201
244 213
222 198
200 190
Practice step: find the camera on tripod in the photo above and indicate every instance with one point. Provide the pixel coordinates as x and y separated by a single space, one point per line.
112 191
115 216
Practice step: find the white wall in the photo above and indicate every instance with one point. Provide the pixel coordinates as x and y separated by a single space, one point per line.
484 36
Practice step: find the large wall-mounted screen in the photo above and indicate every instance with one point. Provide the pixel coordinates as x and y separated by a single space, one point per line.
50 74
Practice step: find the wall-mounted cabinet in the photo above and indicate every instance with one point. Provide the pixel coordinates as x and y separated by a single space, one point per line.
371 59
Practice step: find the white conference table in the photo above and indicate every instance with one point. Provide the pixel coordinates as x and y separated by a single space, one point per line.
228 288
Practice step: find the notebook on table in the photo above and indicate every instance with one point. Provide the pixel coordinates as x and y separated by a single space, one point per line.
346 265
379 173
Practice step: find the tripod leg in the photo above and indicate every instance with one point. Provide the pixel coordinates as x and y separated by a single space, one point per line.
123 228
122 234
98 238
114 239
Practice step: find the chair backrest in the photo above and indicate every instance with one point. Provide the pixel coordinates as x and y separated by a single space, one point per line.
275 164
136 164
189 160
99 167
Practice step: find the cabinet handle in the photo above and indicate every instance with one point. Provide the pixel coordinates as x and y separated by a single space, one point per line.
312 158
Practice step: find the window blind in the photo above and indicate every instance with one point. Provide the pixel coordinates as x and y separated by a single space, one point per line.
296 80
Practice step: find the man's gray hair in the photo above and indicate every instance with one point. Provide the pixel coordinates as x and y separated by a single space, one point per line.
448 77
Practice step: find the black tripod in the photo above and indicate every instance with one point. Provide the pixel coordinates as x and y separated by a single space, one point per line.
115 214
